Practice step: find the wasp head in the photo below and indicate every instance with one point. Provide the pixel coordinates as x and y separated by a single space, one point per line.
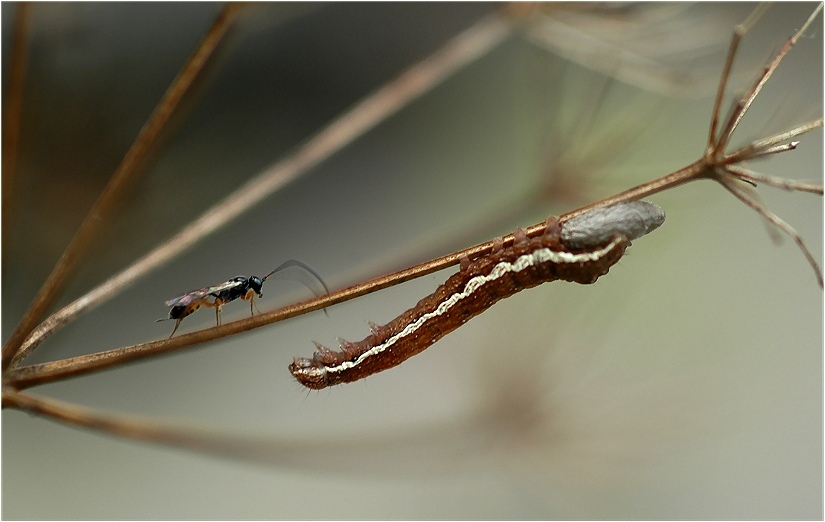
256 284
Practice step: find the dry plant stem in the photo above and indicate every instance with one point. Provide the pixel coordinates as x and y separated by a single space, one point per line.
563 30
372 110
743 194
782 183
747 100
752 150
122 425
124 176
11 118
267 449
738 33
785 136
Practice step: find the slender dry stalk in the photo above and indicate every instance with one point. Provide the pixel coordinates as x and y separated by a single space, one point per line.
11 117
636 43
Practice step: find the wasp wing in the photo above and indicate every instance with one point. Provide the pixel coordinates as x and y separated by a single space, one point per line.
188 297
185 299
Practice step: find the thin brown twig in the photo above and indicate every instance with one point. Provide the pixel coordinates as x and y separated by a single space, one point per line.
268 448
124 176
746 101
369 112
749 189
788 135
284 451
738 33
11 119
122 425
782 183
588 37
776 149
743 196
748 151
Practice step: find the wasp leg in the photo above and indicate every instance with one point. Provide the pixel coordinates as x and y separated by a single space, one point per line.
251 304
250 296
218 304
175 329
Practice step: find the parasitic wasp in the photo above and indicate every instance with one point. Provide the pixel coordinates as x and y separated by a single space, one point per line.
241 287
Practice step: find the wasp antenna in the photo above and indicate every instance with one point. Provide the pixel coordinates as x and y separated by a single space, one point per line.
296 263
162 319
307 282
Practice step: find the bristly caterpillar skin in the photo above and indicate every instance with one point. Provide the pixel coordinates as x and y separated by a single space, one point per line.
480 284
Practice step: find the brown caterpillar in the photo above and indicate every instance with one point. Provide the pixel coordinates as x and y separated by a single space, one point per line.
480 284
